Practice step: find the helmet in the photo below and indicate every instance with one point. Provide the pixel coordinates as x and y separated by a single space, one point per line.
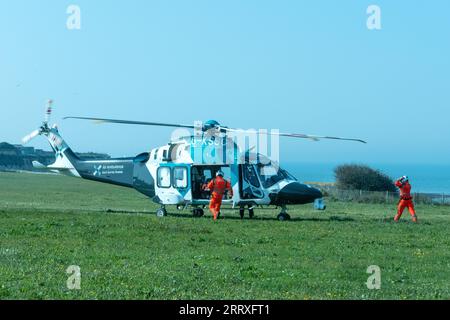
405 178
219 173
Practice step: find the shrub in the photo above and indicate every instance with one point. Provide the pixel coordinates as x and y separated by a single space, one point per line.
362 177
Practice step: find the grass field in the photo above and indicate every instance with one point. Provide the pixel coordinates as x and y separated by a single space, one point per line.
48 223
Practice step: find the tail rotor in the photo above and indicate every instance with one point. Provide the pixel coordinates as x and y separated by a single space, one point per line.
48 111
31 136
44 127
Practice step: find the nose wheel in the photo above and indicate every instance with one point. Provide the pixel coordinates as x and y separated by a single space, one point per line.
161 212
198 212
283 215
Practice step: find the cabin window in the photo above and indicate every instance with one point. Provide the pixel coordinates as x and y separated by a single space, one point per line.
180 178
164 177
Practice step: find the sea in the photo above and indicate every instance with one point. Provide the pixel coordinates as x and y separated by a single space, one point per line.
423 178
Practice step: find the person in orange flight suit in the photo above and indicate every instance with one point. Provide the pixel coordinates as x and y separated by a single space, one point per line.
217 187
405 199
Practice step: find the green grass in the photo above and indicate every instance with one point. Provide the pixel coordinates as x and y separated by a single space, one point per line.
48 223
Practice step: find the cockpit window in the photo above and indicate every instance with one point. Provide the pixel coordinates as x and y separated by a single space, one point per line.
271 174
250 176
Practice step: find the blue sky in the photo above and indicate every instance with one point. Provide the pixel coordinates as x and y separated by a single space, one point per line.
299 66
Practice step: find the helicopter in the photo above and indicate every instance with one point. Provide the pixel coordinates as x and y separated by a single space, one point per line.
175 174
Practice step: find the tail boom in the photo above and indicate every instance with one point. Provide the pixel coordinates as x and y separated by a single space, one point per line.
113 171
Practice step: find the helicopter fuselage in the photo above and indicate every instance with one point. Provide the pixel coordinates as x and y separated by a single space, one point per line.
170 176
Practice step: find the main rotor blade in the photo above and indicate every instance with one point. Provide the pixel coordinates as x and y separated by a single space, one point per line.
140 123
294 135
291 135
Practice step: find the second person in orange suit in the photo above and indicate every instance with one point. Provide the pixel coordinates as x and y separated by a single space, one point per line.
217 187
405 199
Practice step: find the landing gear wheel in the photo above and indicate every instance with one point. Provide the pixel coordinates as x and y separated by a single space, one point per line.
251 213
241 212
197 212
283 217
162 212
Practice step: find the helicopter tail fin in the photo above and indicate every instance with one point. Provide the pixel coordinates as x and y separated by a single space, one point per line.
65 159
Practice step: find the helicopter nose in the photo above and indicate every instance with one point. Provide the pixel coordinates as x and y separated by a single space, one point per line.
297 193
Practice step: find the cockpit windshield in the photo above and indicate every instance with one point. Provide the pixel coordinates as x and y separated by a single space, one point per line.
271 174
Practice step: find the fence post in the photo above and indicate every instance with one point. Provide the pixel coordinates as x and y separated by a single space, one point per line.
443 198
387 196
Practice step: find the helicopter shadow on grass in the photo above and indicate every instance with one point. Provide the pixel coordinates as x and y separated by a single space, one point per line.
228 217
258 218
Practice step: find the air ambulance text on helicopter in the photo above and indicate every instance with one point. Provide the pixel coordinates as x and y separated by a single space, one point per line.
176 173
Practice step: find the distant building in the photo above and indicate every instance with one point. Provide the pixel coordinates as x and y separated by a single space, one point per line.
10 157
25 151
7 149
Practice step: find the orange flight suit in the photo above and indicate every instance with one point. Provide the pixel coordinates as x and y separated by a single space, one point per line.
218 186
405 200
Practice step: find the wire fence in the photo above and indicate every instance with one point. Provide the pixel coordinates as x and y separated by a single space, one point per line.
363 196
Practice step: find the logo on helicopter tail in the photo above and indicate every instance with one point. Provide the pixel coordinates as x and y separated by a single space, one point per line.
98 170
108 169
56 140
